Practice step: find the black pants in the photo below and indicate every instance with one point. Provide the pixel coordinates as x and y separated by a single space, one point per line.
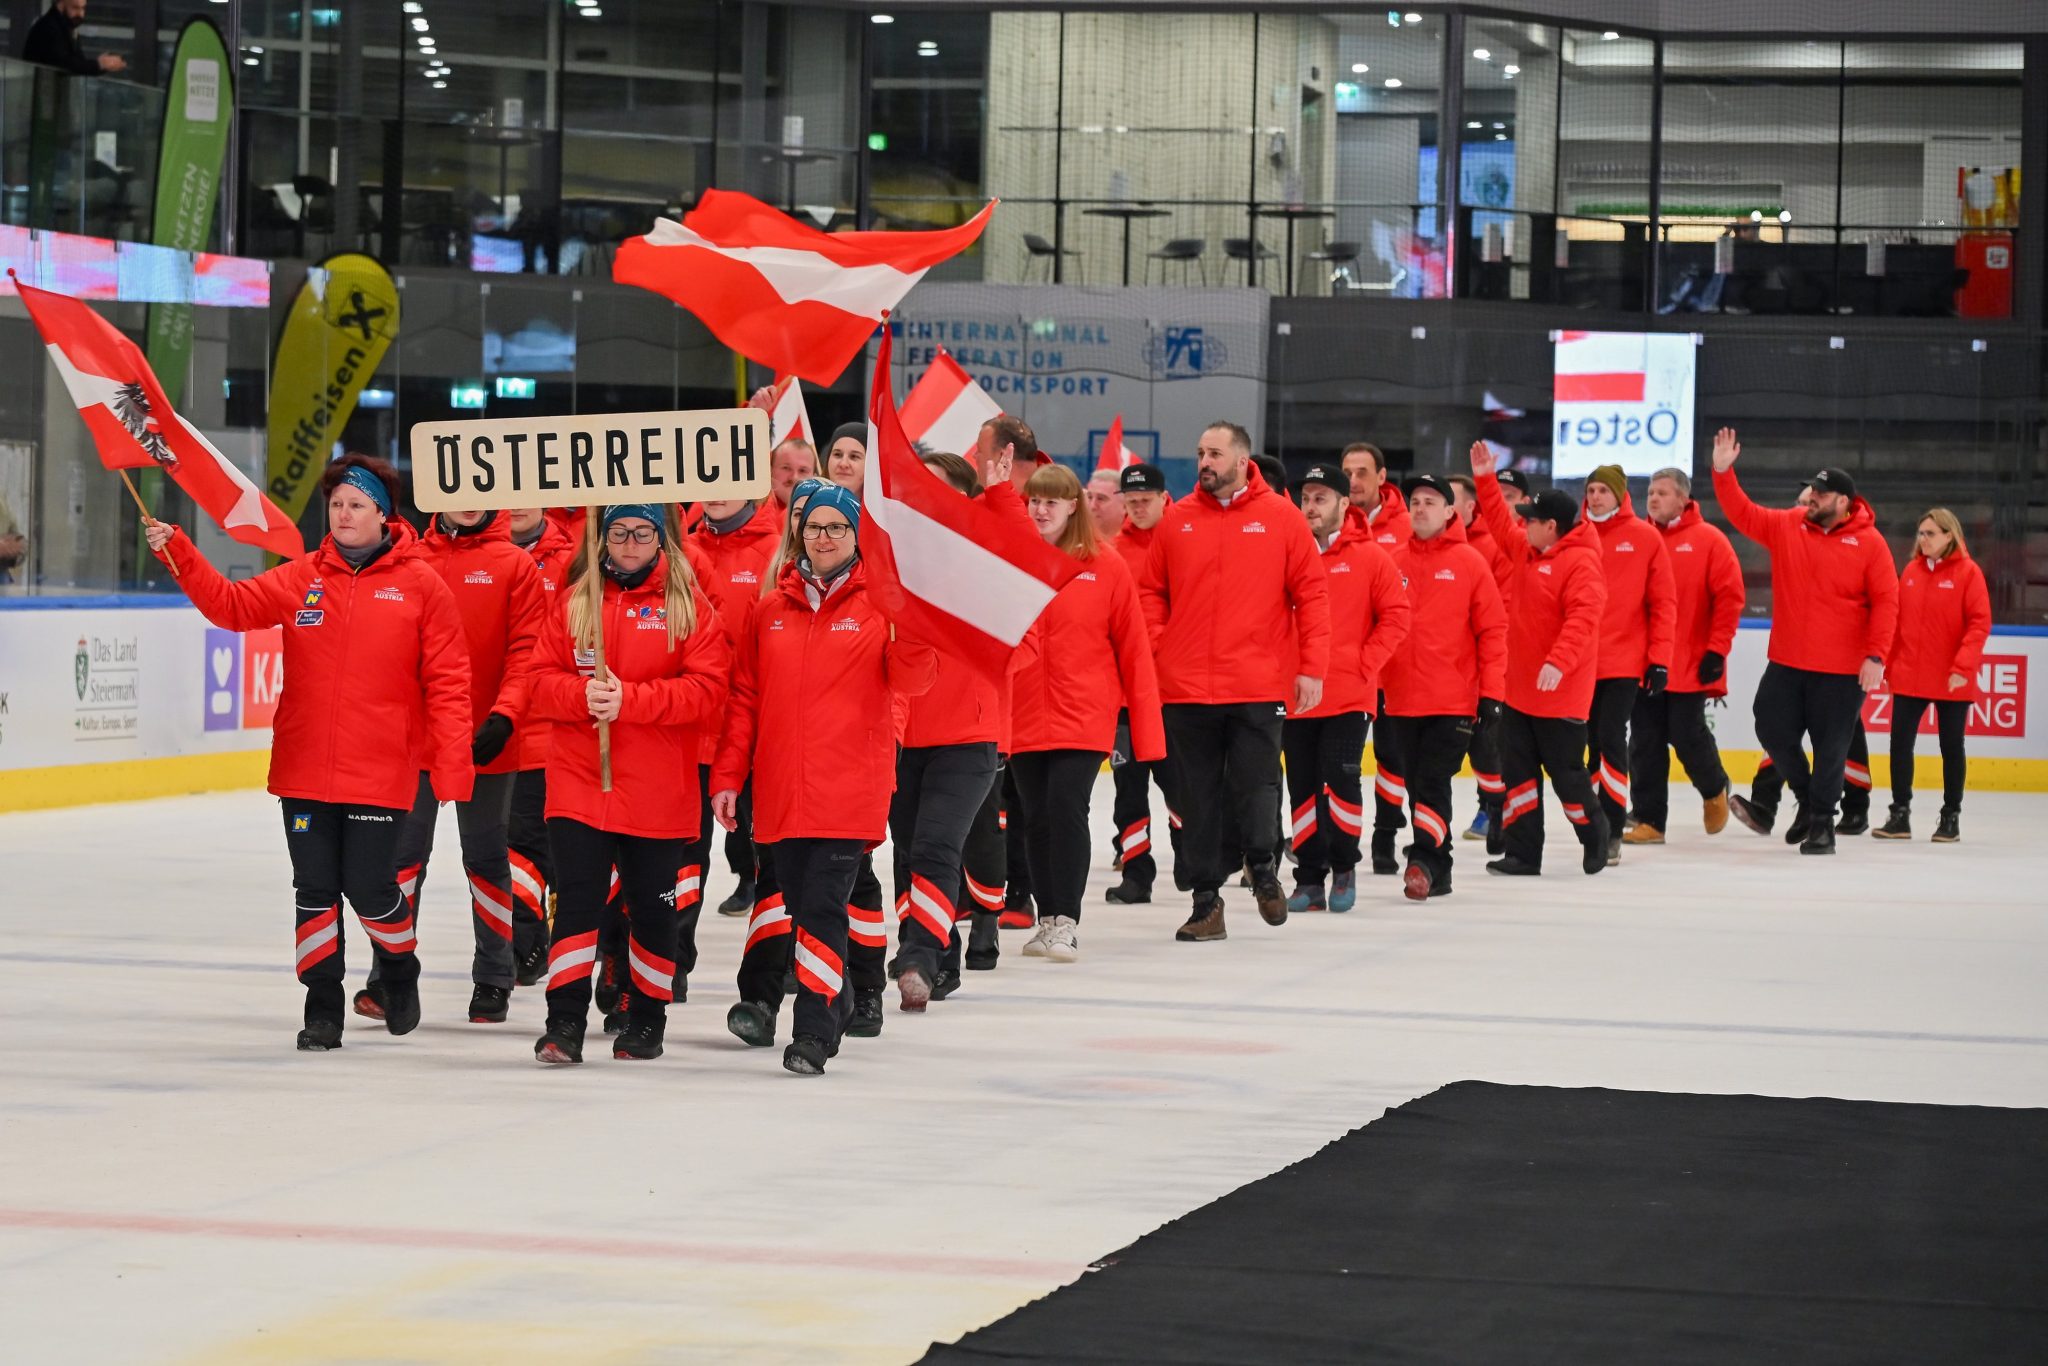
1224 765
1486 768
1325 792
649 871
816 879
1132 812
1055 785
1671 721
771 931
939 790
347 851
1013 825
1431 748
526 847
1768 787
486 862
985 862
1531 746
1614 702
1791 703
689 893
1950 720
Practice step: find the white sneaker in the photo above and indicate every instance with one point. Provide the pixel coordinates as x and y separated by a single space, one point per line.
1061 943
1040 944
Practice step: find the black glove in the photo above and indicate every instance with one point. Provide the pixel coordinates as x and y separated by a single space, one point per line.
1713 664
1654 679
490 739
1489 713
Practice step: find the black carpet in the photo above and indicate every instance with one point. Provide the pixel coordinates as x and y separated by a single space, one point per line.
1496 1224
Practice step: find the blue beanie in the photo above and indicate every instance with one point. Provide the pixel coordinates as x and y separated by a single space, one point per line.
360 478
812 494
649 511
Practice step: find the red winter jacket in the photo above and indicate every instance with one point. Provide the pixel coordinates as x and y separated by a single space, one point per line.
1642 608
1091 656
1559 596
964 706
669 693
552 554
376 671
1457 647
1708 579
1135 544
503 603
1497 562
1227 590
733 569
809 717
1369 618
1388 524
1944 620
1834 594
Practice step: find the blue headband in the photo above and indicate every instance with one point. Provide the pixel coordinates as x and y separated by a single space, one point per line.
812 494
360 478
619 511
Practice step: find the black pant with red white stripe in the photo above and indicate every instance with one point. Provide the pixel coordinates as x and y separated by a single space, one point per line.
1389 791
1769 787
486 863
1132 812
1486 769
649 871
771 932
347 851
986 866
939 791
1014 825
1431 750
1614 703
1532 746
815 880
526 842
1325 793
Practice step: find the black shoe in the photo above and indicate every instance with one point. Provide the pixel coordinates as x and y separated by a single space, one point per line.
641 1041
741 902
401 1007
1796 832
320 1036
1496 837
789 983
867 1013
946 983
1441 887
615 1021
1753 817
1950 828
1129 893
1858 824
805 1056
369 1002
1602 849
1383 862
608 989
562 1045
1614 851
1819 840
984 942
1272 901
534 965
487 1005
1897 826
752 1023
1510 866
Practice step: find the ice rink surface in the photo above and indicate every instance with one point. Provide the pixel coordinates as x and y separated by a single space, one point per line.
180 1185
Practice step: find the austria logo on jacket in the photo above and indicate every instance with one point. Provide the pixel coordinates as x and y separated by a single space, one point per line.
1449 575
1250 528
1850 540
389 595
846 624
1341 567
1543 569
478 576
745 576
1089 575
1625 545
1683 548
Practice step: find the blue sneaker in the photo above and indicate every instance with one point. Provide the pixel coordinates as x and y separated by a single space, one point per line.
1308 896
1343 890
1477 830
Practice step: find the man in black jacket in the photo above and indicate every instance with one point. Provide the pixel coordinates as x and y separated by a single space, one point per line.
53 41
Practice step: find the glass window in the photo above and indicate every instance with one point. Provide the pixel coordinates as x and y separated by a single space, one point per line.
926 119
787 126
1386 86
1604 97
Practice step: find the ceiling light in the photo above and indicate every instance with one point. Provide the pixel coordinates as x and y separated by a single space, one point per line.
1482 54
1393 82
593 14
1609 36
927 52
881 18
440 85
1500 137
250 61
1511 70
1359 68
253 48
1412 18
1500 125
1474 124
419 24
413 6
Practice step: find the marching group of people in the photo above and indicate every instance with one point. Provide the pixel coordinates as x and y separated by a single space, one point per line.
596 701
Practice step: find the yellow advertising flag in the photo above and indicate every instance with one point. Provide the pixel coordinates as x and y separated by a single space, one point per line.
335 336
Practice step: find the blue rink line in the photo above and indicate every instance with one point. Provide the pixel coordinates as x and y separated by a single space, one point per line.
1217 1008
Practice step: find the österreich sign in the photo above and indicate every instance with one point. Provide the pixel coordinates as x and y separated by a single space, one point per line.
714 453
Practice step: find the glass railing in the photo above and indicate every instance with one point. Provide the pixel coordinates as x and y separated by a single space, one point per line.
77 153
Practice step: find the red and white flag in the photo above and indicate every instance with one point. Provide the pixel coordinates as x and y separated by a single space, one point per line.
966 577
800 301
1115 455
134 426
789 421
945 408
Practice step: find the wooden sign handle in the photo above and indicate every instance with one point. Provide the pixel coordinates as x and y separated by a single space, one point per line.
594 581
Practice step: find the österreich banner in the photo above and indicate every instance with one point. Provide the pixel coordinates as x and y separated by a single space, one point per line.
332 341
712 453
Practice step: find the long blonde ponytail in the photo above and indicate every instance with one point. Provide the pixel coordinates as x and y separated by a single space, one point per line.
679 586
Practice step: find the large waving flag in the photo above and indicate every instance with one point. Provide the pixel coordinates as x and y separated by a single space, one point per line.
1115 455
795 299
961 574
134 426
945 408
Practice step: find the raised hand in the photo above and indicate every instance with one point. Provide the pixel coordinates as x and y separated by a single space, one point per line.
1726 449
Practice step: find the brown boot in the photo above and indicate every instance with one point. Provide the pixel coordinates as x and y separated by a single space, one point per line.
1205 924
1716 813
1640 833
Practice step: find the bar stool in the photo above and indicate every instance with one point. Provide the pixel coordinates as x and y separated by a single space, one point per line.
1336 256
1247 250
1041 250
1185 250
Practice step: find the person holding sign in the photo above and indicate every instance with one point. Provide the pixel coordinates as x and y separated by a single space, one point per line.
638 653
374 657
818 664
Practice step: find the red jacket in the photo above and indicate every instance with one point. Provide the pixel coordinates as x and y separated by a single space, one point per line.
1134 544
552 555
810 711
1497 562
1834 594
503 603
1226 591
1944 620
1708 579
733 569
1369 618
376 670
1388 523
1560 595
1642 607
1090 657
964 706
1457 648
668 694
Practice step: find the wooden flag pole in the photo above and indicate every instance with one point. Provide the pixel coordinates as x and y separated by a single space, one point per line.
594 582
147 520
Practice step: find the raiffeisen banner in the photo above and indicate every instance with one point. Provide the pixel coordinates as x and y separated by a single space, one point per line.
1622 398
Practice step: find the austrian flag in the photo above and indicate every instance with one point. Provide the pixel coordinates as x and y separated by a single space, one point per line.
800 301
946 408
1115 454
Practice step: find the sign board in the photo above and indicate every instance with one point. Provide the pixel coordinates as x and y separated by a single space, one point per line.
1999 709
712 453
1622 398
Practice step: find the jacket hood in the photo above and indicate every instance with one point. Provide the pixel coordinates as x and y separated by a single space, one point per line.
499 528
1688 516
1860 518
553 539
1351 531
1584 535
1391 499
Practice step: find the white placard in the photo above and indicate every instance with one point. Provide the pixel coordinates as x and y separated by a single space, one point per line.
1622 398
712 453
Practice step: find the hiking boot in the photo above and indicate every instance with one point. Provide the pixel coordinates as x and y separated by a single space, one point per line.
1204 923
867 1013
615 1020
1383 862
607 989
1129 893
984 943
1271 900
1714 815
752 1023
805 1056
1343 890
1415 883
641 1041
1950 828
1752 816
1645 834
946 983
1308 896
487 1005
320 1036
534 965
562 1045
1820 839
1510 866
401 1007
1858 824
741 902
1897 826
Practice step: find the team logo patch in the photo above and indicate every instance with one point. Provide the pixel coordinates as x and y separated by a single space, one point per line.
313 596
775 625
311 617
846 624
1543 569
1682 548
477 576
1626 545
1946 583
1089 575
389 595
746 576
1850 540
1340 568
301 824
1447 574
1251 528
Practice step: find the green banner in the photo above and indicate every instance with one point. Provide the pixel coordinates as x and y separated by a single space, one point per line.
198 103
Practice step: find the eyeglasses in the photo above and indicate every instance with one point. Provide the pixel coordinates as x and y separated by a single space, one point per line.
631 535
827 531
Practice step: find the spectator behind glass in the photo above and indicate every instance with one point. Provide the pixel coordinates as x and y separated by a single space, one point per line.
13 545
53 41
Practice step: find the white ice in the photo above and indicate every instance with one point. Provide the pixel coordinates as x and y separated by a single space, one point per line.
179 1185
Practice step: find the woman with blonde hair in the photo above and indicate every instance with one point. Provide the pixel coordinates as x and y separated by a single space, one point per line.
1944 620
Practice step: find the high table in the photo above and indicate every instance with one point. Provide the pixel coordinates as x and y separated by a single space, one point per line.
1127 212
